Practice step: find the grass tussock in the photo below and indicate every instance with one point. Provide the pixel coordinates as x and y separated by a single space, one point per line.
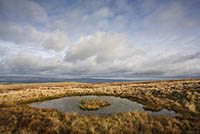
26 119
93 104
182 96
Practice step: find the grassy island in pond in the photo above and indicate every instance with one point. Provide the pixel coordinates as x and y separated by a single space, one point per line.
93 104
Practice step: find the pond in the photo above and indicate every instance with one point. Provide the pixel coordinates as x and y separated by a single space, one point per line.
118 105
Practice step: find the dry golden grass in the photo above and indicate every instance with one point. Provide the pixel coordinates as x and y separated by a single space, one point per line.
93 104
182 96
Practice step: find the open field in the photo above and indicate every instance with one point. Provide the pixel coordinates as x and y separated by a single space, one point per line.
182 96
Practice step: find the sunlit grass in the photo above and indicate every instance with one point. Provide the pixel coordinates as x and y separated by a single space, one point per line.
182 96
93 104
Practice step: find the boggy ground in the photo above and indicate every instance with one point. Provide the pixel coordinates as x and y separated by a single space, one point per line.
182 96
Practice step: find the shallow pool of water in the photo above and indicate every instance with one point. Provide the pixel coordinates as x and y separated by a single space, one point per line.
118 105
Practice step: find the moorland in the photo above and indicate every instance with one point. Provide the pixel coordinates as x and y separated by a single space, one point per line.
181 96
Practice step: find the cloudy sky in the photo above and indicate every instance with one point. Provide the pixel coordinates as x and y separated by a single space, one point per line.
100 38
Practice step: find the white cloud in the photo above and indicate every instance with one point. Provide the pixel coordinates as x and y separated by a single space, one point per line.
29 64
103 47
135 65
20 34
57 41
3 51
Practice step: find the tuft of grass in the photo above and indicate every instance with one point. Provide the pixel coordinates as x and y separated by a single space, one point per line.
31 120
93 104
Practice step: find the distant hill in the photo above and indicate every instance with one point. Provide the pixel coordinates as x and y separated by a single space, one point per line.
16 79
23 79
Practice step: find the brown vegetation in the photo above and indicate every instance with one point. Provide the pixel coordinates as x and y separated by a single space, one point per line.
93 104
182 96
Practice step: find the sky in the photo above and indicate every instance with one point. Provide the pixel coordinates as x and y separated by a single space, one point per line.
100 38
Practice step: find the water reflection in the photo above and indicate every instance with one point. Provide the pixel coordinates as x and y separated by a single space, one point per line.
118 105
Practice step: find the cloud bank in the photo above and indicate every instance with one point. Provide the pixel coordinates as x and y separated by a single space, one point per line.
102 47
110 39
